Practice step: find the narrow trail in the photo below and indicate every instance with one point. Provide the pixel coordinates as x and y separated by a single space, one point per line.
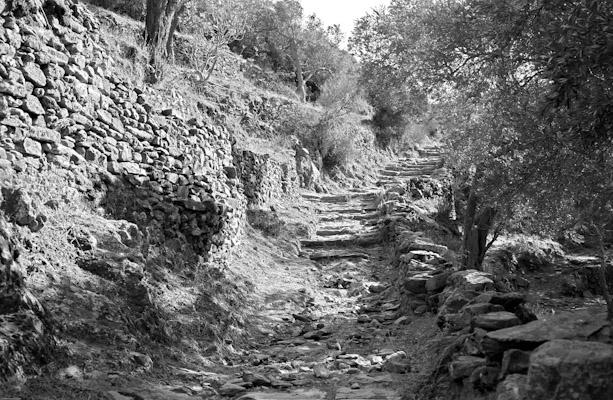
329 326
352 342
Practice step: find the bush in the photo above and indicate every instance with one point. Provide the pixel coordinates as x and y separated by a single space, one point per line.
334 139
268 222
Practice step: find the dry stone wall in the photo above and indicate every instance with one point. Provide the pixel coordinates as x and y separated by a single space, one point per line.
264 179
61 107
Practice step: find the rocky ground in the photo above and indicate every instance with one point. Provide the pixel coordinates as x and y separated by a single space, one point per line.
330 326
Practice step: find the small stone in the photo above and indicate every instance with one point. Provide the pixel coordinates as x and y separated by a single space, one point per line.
34 74
404 320
512 388
496 320
32 105
515 361
363 319
397 363
321 372
32 148
44 135
463 366
377 288
230 390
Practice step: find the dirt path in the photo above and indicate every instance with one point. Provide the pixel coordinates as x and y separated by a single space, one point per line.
348 341
329 325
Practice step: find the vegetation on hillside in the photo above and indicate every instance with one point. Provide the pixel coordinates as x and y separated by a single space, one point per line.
522 90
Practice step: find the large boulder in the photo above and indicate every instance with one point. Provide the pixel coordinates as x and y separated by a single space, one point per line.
573 326
567 370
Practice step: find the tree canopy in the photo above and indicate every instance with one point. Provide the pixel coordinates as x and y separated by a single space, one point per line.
522 89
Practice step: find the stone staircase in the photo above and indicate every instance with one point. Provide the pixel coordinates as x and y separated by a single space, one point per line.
347 225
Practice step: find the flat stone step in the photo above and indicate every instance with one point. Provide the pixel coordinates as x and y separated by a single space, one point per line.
350 210
342 241
300 394
367 393
342 198
337 254
350 217
353 230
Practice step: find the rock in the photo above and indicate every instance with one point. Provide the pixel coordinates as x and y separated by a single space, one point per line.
496 320
34 74
71 372
256 379
484 378
32 148
397 366
482 308
320 371
397 363
463 366
569 325
299 394
363 319
510 301
142 359
512 388
377 288
417 283
32 105
570 369
44 135
20 209
404 320
230 390
472 280
113 395
437 282
427 246
515 362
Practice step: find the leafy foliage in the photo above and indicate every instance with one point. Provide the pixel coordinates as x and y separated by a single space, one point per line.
523 90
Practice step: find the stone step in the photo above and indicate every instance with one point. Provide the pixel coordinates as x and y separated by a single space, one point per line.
350 210
337 254
353 230
299 394
342 241
404 174
351 217
342 198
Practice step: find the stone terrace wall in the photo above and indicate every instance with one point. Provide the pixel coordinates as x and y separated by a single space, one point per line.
265 180
60 107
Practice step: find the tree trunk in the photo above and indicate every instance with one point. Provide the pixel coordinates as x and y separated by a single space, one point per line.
477 226
158 30
170 50
470 241
300 83
603 274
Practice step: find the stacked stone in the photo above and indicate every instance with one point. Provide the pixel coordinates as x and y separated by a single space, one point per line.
265 180
422 273
60 106
501 348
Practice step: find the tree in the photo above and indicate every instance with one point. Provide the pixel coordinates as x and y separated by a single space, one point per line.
213 26
524 91
161 21
280 37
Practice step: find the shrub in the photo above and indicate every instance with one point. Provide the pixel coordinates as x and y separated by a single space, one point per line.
334 139
268 222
